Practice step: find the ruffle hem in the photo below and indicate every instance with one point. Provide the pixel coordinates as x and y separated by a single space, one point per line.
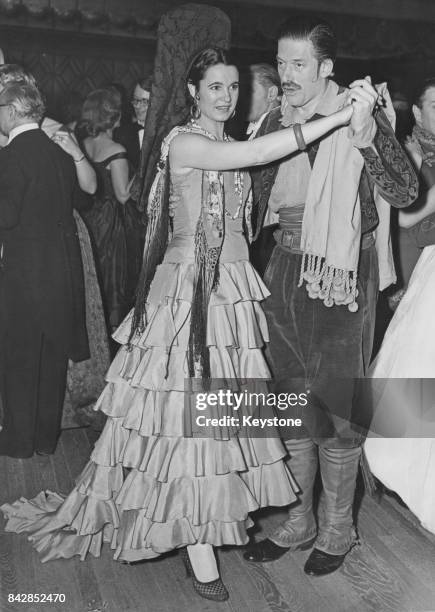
148 488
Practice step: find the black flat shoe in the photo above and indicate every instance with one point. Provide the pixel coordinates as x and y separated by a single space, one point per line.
320 563
266 550
214 590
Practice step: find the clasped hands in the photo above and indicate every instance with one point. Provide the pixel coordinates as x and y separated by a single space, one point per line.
363 97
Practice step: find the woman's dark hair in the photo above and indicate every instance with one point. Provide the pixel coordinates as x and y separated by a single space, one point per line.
421 91
205 60
101 110
317 31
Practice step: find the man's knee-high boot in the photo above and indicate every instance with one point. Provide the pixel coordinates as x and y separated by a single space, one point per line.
339 470
300 526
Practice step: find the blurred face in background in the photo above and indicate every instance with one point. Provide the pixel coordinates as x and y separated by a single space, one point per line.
140 102
262 99
6 119
425 116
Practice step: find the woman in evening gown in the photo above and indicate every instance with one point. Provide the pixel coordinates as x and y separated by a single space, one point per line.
154 482
100 115
85 379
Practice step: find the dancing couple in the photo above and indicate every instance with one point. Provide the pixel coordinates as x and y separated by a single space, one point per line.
152 484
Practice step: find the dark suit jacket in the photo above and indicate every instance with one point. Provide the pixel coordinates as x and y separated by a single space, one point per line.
41 269
128 136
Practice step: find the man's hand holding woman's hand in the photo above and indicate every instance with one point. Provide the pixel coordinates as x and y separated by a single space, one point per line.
363 97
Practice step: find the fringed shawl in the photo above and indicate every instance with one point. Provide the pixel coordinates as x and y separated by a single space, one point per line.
209 238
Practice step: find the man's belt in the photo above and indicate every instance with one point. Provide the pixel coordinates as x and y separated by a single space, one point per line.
291 239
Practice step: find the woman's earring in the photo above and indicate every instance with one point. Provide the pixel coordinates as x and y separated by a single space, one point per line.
195 111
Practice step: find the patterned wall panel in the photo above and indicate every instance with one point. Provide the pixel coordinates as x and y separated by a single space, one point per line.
84 44
62 63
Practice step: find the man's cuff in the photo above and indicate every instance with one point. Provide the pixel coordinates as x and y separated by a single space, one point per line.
363 138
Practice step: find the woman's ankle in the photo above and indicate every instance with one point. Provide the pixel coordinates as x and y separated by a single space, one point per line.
203 561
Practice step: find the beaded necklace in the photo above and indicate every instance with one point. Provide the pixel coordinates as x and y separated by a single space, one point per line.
238 175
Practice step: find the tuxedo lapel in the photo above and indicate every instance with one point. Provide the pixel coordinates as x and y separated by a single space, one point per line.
263 178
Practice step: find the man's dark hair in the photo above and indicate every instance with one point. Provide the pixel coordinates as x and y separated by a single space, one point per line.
318 31
145 83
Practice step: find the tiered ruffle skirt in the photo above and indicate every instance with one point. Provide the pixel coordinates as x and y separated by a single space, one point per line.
148 488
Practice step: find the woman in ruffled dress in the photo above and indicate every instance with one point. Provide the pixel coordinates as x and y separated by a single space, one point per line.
154 483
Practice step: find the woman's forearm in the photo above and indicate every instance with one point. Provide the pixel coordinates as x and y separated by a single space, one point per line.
120 181
272 146
197 151
86 175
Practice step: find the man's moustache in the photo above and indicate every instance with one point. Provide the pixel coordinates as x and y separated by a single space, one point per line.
290 85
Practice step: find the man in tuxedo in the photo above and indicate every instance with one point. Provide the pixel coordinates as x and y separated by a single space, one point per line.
15 72
265 95
131 135
42 321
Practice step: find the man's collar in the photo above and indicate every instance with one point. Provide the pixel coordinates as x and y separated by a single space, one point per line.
254 125
328 102
19 129
326 105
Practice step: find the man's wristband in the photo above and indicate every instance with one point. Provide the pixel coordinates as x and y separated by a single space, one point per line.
76 161
302 145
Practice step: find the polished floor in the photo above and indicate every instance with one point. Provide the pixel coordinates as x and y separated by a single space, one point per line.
392 571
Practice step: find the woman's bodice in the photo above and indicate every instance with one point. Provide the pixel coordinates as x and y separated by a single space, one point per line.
185 204
104 176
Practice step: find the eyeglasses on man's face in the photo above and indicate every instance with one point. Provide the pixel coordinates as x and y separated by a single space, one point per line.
140 101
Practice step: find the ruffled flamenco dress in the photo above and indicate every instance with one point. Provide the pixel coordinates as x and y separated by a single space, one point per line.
148 487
